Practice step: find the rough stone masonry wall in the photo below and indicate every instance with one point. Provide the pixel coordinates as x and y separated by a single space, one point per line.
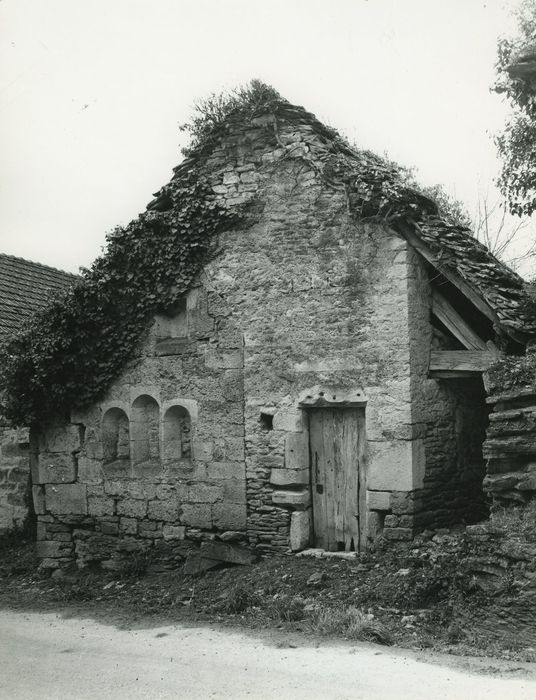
449 422
302 302
14 478
173 475
510 447
323 304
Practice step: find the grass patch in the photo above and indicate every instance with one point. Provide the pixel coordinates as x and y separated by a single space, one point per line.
237 599
349 622
286 608
518 521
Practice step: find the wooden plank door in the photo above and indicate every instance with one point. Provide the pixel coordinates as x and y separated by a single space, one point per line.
336 440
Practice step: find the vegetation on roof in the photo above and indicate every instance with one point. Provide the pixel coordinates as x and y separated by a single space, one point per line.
213 112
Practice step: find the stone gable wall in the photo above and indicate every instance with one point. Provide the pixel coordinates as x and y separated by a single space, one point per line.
302 303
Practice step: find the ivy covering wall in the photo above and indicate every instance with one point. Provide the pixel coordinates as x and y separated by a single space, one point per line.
70 353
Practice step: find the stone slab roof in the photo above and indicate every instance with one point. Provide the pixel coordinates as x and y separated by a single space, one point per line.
26 287
500 287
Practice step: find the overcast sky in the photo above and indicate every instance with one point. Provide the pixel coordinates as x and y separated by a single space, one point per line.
92 93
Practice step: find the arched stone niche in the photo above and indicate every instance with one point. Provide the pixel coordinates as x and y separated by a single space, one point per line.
177 434
145 432
115 436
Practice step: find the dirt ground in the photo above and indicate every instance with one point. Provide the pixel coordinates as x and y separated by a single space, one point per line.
62 657
406 599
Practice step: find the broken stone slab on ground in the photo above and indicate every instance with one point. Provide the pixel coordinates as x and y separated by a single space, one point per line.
228 553
323 554
212 554
196 564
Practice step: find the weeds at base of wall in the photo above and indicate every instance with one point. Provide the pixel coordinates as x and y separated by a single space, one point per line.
18 535
348 622
135 566
429 594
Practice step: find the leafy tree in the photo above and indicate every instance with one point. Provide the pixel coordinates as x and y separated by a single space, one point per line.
516 80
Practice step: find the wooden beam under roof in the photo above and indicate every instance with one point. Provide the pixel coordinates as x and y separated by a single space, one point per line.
458 281
449 274
448 364
452 320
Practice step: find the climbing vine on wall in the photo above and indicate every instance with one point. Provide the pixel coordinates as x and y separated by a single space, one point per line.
71 352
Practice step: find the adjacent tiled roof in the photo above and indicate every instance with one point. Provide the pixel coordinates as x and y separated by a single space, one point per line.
26 287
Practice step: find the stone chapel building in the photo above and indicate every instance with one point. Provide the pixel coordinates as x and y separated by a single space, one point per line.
320 383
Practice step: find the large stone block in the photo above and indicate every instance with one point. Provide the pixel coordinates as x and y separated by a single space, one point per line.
218 359
53 549
41 531
140 490
234 449
60 439
288 420
51 468
230 516
179 491
289 477
396 465
297 451
174 532
226 470
234 490
204 493
66 499
115 488
297 499
203 450
89 470
163 510
379 500
232 385
132 508
300 530
197 515
92 447
38 495
128 525
100 505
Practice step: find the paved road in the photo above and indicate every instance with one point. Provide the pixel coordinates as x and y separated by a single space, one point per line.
47 657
